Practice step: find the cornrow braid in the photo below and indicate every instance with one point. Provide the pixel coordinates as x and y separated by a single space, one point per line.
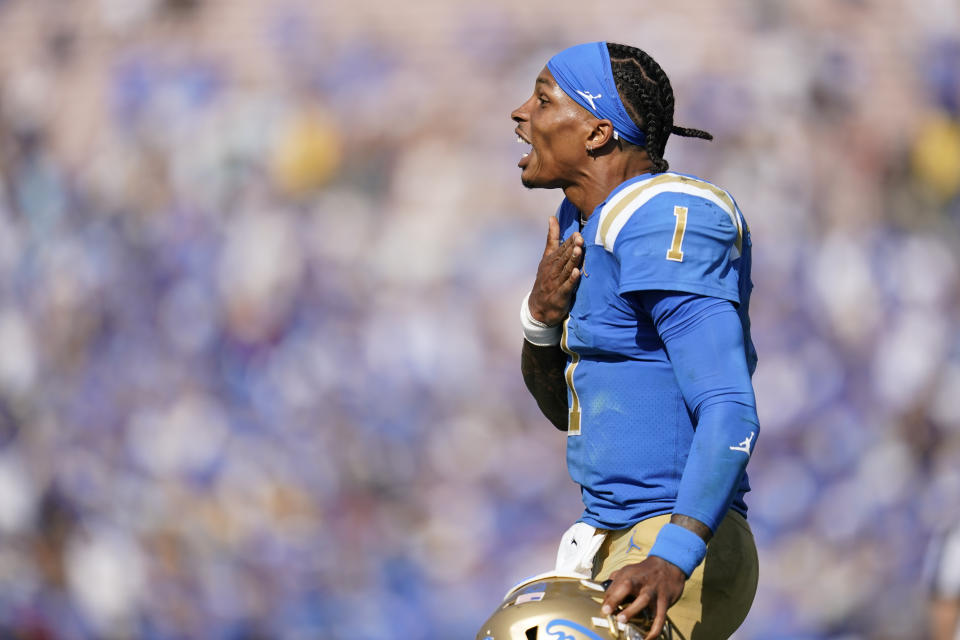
647 95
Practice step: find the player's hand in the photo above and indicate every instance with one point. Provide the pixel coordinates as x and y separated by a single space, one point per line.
653 583
557 276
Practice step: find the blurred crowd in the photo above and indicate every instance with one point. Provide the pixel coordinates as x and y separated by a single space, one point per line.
260 265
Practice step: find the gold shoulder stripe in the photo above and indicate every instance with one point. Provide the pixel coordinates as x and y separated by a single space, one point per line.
608 217
613 219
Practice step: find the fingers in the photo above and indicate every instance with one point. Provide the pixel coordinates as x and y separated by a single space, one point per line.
557 275
559 272
565 288
659 619
616 593
553 235
553 238
560 265
639 604
575 252
653 584
621 589
568 258
575 241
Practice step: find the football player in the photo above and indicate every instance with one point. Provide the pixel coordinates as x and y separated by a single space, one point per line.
637 344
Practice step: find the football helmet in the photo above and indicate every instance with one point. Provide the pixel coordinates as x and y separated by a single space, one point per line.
554 606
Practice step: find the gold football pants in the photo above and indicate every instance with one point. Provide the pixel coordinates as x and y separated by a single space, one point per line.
717 597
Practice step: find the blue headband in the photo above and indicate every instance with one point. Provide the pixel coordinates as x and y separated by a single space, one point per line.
584 74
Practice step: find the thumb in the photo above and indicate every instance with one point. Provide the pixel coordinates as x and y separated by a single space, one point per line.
553 235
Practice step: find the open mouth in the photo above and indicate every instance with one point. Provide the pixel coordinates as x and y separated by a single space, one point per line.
526 155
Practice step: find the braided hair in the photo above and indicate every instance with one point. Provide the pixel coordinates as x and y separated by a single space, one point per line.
646 93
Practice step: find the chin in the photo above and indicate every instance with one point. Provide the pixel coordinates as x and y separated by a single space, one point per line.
533 183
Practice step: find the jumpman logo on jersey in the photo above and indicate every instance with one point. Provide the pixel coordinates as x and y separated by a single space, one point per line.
634 545
589 97
745 445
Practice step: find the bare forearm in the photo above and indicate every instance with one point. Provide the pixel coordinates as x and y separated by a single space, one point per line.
543 369
692 524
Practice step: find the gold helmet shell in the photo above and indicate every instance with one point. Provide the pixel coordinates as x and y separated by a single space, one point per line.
557 606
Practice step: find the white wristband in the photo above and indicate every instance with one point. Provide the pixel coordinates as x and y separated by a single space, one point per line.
536 332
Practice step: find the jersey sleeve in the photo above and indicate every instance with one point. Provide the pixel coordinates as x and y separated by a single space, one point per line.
704 340
679 242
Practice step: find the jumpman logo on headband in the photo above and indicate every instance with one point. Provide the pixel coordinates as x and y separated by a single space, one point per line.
589 97
745 445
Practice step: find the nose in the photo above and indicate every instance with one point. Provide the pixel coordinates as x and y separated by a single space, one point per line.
520 114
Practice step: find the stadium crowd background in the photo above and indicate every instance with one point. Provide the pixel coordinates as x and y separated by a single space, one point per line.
261 262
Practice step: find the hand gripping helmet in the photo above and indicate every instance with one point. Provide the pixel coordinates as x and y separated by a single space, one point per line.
557 606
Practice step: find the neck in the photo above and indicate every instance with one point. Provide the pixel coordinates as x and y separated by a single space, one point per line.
602 175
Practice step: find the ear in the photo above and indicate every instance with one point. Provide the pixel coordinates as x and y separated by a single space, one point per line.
601 134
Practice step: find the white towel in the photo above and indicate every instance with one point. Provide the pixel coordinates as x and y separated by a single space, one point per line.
578 546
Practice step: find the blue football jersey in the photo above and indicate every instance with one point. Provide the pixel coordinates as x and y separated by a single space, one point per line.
630 430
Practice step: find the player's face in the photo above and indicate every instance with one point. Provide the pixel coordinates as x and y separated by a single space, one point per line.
557 129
